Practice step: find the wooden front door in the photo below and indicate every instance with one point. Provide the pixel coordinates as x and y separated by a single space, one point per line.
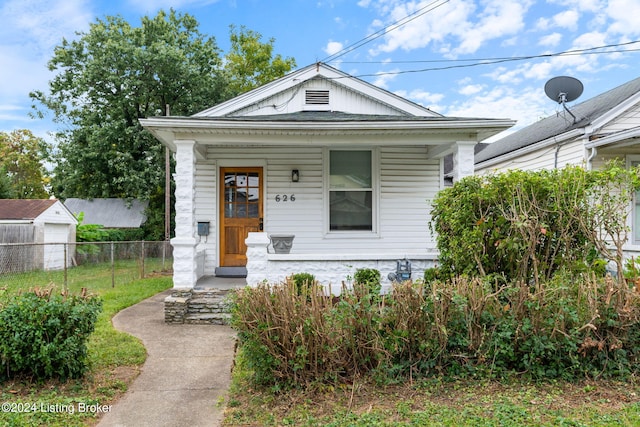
240 212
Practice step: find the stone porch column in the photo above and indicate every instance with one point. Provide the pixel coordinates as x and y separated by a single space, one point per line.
463 159
257 260
184 244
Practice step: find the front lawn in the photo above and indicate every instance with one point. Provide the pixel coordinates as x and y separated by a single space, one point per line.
434 402
114 360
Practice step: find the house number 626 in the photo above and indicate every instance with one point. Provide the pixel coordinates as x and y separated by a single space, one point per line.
285 198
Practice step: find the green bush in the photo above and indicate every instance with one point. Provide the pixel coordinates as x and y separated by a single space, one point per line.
369 277
303 281
45 336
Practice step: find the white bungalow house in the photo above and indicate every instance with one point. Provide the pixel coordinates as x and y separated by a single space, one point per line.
605 127
344 166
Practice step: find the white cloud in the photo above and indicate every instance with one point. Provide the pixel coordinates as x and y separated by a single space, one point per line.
499 19
567 19
333 47
552 39
470 89
454 28
624 14
525 105
425 98
383 78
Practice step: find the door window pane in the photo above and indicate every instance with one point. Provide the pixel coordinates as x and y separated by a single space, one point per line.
241 195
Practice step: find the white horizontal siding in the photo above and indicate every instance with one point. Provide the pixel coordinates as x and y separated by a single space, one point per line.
629 119
408 182
293 100
56 214
206 211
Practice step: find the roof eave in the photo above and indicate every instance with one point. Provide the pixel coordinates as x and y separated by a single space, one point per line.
166 128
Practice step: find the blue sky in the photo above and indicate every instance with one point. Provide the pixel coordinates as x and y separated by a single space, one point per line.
433 59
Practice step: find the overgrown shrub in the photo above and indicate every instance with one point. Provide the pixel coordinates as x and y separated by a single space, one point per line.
43 335
528 225
571 328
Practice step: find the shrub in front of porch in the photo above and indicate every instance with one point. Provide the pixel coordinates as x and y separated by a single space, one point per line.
571 328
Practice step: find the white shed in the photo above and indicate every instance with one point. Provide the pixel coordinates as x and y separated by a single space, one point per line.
46 223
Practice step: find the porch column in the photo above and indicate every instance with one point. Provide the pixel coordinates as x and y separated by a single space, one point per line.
184 244
257 261
463 159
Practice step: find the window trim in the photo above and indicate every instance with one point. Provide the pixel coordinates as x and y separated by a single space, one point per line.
375 195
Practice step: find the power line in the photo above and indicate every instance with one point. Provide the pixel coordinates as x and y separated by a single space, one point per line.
391 27
492 61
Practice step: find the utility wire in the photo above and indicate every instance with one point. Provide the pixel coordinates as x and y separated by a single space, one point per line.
491 61
513 58
391 27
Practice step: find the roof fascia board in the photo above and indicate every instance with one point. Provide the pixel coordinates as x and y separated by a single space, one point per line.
616 111
560 139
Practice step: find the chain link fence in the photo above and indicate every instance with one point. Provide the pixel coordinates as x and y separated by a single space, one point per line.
24 265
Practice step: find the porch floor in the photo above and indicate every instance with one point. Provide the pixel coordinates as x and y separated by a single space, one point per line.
214 282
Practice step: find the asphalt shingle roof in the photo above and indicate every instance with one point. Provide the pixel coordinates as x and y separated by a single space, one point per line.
557 124
23 209
110 213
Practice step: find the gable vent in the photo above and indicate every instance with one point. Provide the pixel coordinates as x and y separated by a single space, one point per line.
317 97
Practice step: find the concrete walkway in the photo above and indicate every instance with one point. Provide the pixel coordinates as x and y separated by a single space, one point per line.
185 376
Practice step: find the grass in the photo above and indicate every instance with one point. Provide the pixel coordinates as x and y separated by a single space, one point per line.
434 402
102 275
114 357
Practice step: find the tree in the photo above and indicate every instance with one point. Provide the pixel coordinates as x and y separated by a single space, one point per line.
110 77
22 171
251 63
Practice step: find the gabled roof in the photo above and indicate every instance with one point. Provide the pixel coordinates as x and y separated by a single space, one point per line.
590 113
317 71
278 114
110 213
24 209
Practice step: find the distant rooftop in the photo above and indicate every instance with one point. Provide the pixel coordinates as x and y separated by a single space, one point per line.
23 209
110 213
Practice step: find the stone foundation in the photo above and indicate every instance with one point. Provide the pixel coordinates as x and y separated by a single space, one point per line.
197 306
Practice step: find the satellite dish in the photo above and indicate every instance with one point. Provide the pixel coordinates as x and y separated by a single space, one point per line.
563 89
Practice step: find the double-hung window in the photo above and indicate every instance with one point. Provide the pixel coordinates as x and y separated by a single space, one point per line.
351 190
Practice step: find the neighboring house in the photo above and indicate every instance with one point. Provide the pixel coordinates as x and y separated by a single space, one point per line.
47 223
606 127
344 166
110 213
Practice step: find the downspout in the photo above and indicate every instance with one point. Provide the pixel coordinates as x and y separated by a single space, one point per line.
594 151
